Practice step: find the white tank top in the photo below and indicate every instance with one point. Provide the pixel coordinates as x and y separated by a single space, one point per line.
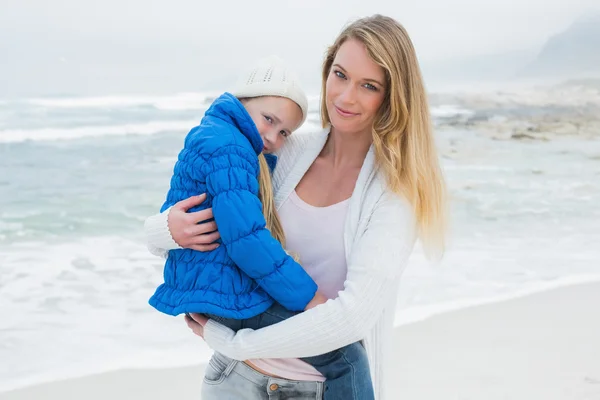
316 235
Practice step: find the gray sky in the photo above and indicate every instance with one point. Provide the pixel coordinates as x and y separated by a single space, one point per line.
113 34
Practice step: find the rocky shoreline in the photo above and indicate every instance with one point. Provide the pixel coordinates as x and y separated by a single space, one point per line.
537 113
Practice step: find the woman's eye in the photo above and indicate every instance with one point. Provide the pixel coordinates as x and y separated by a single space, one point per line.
370 87
339 74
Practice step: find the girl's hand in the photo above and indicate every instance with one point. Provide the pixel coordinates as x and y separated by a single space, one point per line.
186 229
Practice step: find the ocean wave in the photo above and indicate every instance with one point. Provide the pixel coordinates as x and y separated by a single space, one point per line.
52 134
179 101
97 288
450 110
183 101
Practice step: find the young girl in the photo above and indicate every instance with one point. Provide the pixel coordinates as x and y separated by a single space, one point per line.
249 281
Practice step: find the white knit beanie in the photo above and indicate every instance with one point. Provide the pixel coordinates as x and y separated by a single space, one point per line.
270 76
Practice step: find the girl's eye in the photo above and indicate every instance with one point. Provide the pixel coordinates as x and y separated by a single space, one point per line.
284 133
269 119
339 74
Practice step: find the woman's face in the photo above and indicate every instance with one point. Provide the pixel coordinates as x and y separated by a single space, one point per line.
354 89
275 118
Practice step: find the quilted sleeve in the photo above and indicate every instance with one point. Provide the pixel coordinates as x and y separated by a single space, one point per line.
231 182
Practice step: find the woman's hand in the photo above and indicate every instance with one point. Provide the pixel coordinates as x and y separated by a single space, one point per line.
186 229
196 323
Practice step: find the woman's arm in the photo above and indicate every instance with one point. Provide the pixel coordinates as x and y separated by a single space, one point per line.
175 228
375 265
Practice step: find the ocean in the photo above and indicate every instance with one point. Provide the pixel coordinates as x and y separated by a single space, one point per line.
78 176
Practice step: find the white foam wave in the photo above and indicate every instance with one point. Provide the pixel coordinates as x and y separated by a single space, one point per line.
51 134
179 101
449 110
96 289
187 101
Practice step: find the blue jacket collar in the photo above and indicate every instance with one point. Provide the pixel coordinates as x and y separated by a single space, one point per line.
228 108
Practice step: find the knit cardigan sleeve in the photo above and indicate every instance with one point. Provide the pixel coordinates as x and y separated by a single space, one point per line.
375 263
158 236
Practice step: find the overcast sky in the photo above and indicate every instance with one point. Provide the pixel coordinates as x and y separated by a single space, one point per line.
225 32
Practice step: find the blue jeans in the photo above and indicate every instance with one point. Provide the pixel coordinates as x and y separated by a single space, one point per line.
227 379
346 370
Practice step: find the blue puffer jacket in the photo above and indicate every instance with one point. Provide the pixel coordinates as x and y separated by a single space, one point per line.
241 277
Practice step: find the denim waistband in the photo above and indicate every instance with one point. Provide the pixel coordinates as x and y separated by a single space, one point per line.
302 389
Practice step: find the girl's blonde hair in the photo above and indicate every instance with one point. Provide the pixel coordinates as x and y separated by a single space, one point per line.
265 193
402 133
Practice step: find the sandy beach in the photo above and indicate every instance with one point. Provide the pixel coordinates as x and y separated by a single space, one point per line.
543 346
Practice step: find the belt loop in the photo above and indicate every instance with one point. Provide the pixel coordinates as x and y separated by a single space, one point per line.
230 367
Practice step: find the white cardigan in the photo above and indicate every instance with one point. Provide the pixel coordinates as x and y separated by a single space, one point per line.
379 235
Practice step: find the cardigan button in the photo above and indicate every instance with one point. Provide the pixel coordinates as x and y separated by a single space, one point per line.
274 387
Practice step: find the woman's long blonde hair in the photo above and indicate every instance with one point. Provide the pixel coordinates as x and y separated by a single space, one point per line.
402 132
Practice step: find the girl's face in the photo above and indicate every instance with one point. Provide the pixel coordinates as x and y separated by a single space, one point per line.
354 89
275 118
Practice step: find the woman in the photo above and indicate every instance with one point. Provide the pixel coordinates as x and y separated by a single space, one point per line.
375 160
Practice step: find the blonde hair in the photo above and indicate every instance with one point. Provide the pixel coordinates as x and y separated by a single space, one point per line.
402 132
265 194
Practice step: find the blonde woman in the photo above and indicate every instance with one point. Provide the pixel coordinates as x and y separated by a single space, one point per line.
352 200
